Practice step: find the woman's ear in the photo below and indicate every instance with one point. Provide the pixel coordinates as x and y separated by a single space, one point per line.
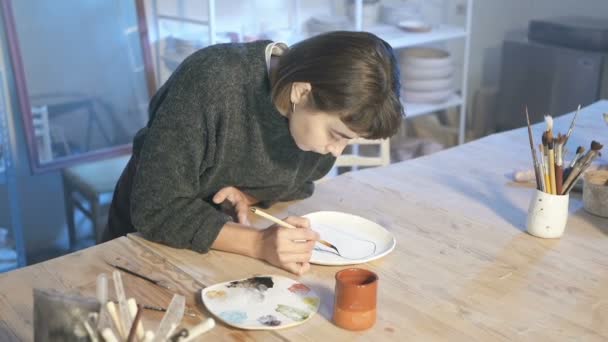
299 91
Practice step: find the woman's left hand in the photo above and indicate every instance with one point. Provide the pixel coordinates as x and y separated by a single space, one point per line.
239 200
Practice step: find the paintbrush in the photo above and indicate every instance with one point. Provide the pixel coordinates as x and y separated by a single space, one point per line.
582 165
543 170
569 133
543 151
188 312
287 225
537 171
579 152
150 280
559 169
134 325
551 152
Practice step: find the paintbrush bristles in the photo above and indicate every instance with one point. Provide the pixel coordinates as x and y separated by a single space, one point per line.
559 149
596 146
579 152
549 122
581 165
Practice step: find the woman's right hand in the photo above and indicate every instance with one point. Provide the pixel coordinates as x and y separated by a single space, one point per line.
289 248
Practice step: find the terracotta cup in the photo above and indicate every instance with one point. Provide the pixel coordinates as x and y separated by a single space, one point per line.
355 299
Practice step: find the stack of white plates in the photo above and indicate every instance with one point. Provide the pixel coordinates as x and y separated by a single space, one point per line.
321 24
426 75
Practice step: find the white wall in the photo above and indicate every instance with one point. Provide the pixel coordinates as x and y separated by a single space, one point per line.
492 19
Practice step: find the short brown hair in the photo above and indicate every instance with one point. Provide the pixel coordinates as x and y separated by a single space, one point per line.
353 74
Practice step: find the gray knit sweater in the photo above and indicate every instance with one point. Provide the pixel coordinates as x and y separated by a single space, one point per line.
212 125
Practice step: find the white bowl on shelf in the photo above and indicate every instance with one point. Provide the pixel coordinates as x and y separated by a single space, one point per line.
417 73
412 25
427 84
431 97
424 57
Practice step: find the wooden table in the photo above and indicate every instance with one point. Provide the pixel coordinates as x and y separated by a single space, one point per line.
463 268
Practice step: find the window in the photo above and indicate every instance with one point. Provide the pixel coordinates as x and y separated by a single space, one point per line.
83 77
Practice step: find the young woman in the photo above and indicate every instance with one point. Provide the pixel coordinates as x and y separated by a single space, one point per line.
252 124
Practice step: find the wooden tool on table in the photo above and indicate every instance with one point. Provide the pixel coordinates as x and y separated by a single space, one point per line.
133 273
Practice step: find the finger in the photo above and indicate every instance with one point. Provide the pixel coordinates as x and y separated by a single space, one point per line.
287 258
302 234
304 267
300 222
221 196
242 210
292 267
299 247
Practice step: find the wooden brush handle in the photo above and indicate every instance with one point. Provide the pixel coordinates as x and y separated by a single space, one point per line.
559 180
552 172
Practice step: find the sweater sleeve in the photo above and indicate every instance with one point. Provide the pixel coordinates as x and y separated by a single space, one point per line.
165 205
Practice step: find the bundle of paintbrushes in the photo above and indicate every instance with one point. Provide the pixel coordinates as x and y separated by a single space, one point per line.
122 321
552 175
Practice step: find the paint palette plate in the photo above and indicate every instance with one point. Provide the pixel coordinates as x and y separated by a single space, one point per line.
359 240
266 302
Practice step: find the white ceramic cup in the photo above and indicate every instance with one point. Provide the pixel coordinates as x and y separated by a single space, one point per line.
547 215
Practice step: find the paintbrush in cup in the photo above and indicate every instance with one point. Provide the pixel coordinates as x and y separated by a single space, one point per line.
580 167
551 152
543 168
559 161
287 225
579 153
569 133
545 152
537 172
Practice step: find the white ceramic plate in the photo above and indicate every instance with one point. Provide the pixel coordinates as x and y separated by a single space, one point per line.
438 96
267 302
428 85
420 73
423 57
359 240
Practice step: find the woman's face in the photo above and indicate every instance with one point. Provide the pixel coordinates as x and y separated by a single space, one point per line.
319 132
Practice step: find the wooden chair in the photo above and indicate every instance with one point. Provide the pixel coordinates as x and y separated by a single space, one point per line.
42 132
356 160
88 182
